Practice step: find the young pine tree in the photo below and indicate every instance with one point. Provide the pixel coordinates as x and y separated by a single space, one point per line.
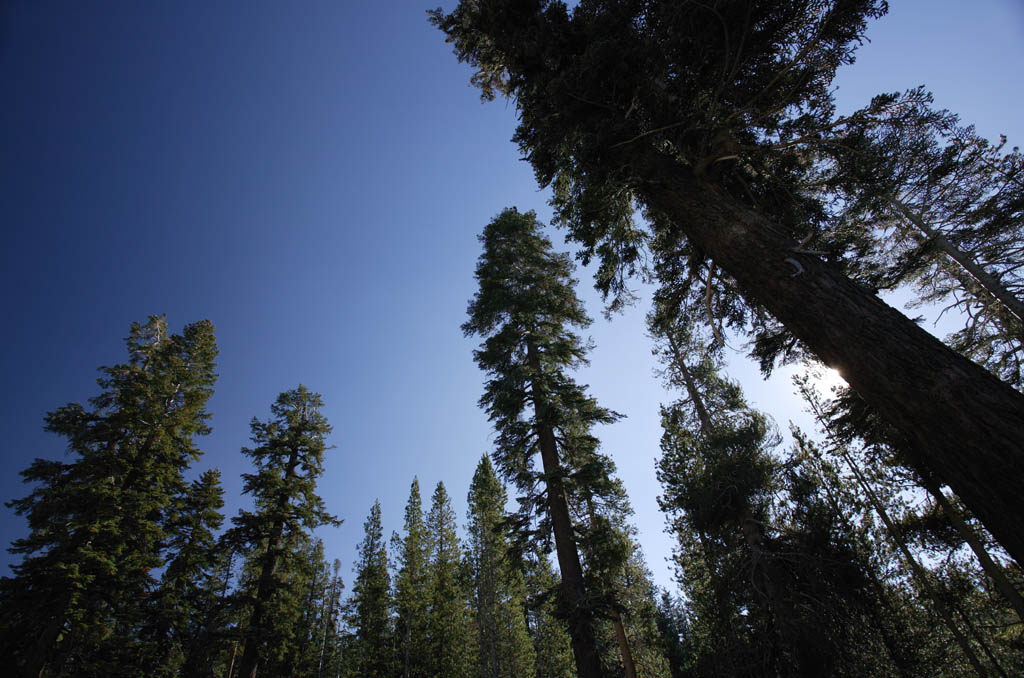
411 600
372 648
288 455
99 523
503 643
524 310
449 630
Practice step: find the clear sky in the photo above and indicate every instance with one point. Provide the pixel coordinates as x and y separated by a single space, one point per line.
312 177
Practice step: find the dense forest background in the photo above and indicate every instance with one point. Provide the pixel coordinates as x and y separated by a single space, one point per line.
314 186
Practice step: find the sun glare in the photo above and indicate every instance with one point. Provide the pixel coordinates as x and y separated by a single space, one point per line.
827 380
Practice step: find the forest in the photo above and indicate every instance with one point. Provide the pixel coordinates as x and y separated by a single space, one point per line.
695 148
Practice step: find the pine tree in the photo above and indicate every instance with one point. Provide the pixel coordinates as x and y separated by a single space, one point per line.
449 632
771 574
411 600
523 309
288 455
549 634
503 643
372 651
930 202
99 523
178 613
712 119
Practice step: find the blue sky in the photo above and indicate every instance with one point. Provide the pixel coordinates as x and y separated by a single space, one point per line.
312 177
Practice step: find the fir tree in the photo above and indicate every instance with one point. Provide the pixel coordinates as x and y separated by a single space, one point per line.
549 634
524 309
288 455
449 636
179 612
411 600
712 117
503 643
372 646
99 524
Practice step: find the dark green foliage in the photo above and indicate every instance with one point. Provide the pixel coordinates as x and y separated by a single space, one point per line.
179 613
102 523
288 455
716 119
549 633
524 310
411 601
450 648
773 577
372 649
503 643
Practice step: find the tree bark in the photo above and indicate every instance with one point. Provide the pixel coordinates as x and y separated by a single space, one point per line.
581 628
960 422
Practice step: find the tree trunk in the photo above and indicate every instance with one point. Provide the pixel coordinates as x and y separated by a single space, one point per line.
987 281
960 422
581 627
916 568
994 571
265 588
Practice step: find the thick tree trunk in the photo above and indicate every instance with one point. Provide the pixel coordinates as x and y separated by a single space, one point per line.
581 627
960 422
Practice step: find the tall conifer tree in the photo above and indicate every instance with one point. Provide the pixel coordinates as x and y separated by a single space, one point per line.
524 310
449 635
373 649
99 523
713 117
288 454
504 649
411 600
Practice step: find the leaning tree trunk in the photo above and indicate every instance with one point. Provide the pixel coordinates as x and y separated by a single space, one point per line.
961 423
574 598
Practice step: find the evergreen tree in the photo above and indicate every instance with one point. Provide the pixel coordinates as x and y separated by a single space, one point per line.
178 613
99 524
411 600
712 118
928 201
372 647
524 309
551 641
449 632
288 455
773 580
503 643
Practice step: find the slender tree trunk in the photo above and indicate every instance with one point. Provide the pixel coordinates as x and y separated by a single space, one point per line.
620 635
919 572
581 627
960 422
994 571
987 281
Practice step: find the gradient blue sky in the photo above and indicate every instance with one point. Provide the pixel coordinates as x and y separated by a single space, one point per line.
312 177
